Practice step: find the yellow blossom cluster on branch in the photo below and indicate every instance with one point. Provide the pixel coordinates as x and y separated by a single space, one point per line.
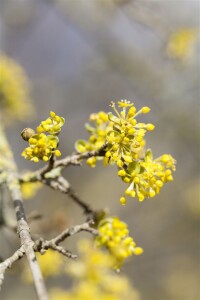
114 235
123 137
95 278
146 177
43 144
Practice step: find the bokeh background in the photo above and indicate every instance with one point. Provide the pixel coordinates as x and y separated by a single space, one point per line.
79 55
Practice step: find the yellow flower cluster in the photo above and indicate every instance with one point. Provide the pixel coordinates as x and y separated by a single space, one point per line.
124 140
14 90
97 136
42 146
146 177
95 278
114 235
122 133
125 135
52 124
181 43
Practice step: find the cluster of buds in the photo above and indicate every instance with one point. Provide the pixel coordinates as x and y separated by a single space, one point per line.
43 145
114 235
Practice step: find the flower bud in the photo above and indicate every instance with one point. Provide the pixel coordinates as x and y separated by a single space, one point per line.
27 133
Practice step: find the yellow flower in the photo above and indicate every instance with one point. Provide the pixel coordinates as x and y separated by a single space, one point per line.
14 91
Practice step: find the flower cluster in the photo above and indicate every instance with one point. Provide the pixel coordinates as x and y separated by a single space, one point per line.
97 136
125 135
146 177
52 124
124 142
41 145
95 278
114 235
14 91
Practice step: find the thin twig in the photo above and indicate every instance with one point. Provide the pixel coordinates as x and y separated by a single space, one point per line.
62 185
73 230
42 245
6 264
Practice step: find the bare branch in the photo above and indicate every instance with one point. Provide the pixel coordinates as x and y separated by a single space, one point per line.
6 264
73 230
42 245
27 243
24 234
62 185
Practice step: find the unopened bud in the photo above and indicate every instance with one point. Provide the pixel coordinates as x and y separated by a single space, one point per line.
27 133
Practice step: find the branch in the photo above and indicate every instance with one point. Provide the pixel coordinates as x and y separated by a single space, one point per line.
57 182
51 176
6 264
42 245
73 230
75 159
13 184
24 234
62 185
58 165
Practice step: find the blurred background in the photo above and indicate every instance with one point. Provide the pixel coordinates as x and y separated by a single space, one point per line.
81 54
